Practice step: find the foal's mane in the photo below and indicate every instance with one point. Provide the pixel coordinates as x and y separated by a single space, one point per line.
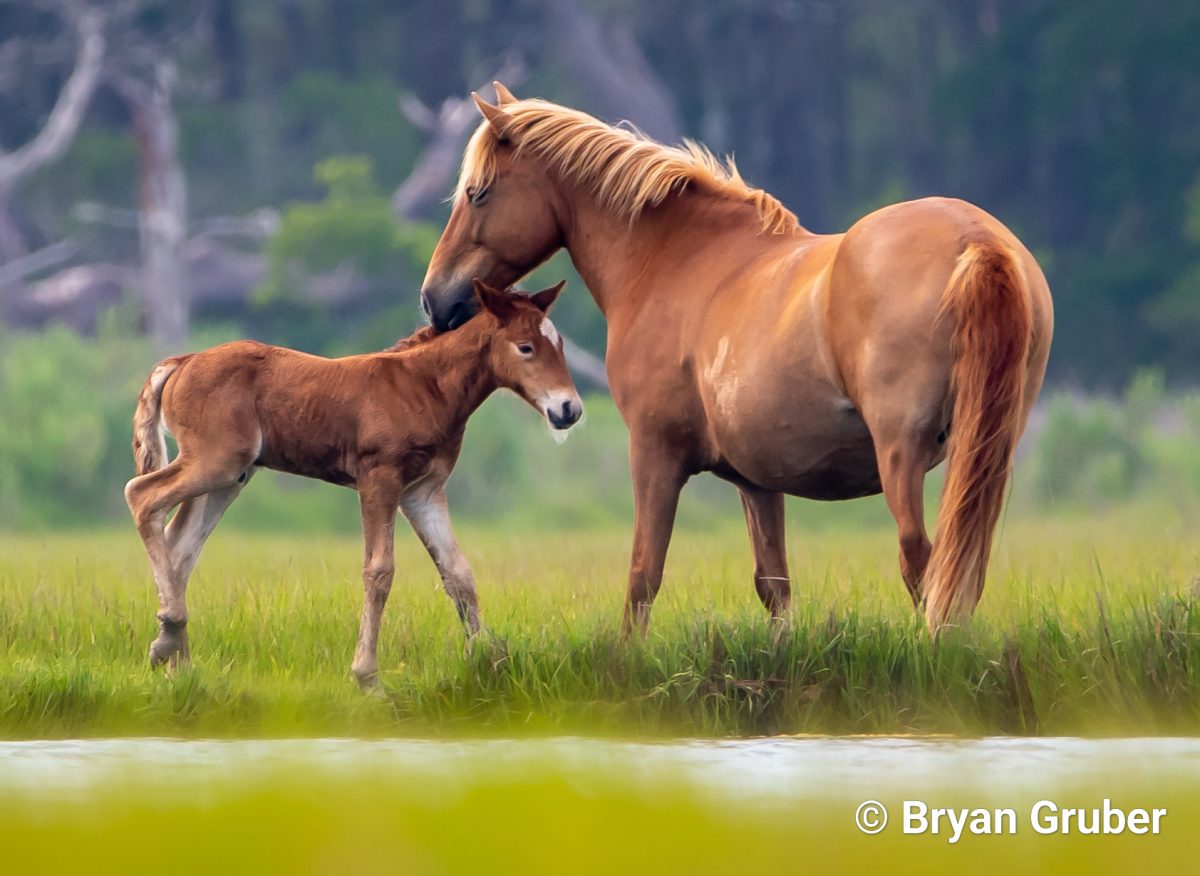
626 170
421 336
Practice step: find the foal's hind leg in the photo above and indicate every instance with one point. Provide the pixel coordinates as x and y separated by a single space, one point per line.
764 520
195 521
186 534
150 498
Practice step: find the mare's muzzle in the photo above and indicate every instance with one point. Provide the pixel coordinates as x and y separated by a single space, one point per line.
449 306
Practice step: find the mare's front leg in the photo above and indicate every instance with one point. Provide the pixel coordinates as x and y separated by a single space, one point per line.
379 493
429 515
764 520
658 476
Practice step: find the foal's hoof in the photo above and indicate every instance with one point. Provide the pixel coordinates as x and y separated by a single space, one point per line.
169 651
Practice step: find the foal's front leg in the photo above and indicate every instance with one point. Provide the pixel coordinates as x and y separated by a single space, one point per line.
378 496
429 515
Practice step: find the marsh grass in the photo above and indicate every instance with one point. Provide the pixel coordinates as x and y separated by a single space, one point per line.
1088 627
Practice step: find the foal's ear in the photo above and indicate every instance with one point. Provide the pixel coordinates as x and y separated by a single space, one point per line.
542 300
496 117
494 300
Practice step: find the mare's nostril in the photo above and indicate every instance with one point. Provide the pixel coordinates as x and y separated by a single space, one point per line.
567 413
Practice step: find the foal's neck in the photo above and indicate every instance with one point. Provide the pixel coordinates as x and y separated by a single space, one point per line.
454 370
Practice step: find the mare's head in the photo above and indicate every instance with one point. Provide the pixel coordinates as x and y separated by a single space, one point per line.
504 222
523 171
526 351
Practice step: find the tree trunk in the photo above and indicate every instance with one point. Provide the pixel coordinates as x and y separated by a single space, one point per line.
12 241
162 219
612 69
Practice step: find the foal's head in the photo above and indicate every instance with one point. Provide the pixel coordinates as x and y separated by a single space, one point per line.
526 351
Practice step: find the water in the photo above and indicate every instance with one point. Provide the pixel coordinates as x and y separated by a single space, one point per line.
783 766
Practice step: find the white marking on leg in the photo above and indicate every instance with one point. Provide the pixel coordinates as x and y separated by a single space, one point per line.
426 511
186 538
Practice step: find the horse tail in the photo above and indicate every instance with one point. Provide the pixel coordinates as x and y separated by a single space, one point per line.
989 300
149 443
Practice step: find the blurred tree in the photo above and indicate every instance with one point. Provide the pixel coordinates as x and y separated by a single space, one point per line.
1078 123
55 135
333 254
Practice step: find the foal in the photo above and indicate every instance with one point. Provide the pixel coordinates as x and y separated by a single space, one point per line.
388 424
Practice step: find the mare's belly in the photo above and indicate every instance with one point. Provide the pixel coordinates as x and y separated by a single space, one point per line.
828 460
791 433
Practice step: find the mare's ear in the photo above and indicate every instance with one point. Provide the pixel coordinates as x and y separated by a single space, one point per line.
493 300
503 95
496 117
542 300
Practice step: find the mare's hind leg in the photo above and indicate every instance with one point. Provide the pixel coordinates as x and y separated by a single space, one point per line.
150 498
764 520
904 456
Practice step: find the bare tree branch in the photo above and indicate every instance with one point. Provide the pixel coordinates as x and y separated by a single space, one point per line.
55 254
63 122
585 364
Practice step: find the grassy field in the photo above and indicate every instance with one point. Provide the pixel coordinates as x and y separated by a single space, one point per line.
1088 627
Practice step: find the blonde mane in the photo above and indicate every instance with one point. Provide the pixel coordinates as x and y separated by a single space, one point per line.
624 169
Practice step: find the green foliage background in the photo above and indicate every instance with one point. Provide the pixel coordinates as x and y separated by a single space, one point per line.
67 402
1077 123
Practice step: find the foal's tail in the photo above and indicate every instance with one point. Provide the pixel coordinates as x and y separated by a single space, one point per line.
988 298
149 445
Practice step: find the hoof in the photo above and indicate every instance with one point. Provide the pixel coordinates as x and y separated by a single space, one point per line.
170 651
368 679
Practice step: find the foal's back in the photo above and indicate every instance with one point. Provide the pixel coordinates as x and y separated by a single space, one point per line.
286 410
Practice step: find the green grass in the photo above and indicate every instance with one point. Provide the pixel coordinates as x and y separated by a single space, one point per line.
1089 626
542 814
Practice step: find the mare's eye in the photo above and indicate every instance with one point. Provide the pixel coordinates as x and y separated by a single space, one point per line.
477 195
525 349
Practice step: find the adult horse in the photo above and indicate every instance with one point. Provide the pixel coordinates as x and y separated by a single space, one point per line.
828 366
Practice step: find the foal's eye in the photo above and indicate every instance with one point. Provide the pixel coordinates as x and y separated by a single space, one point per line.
476 195
525 349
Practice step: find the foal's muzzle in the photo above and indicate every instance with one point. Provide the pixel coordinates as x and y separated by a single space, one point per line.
564 415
